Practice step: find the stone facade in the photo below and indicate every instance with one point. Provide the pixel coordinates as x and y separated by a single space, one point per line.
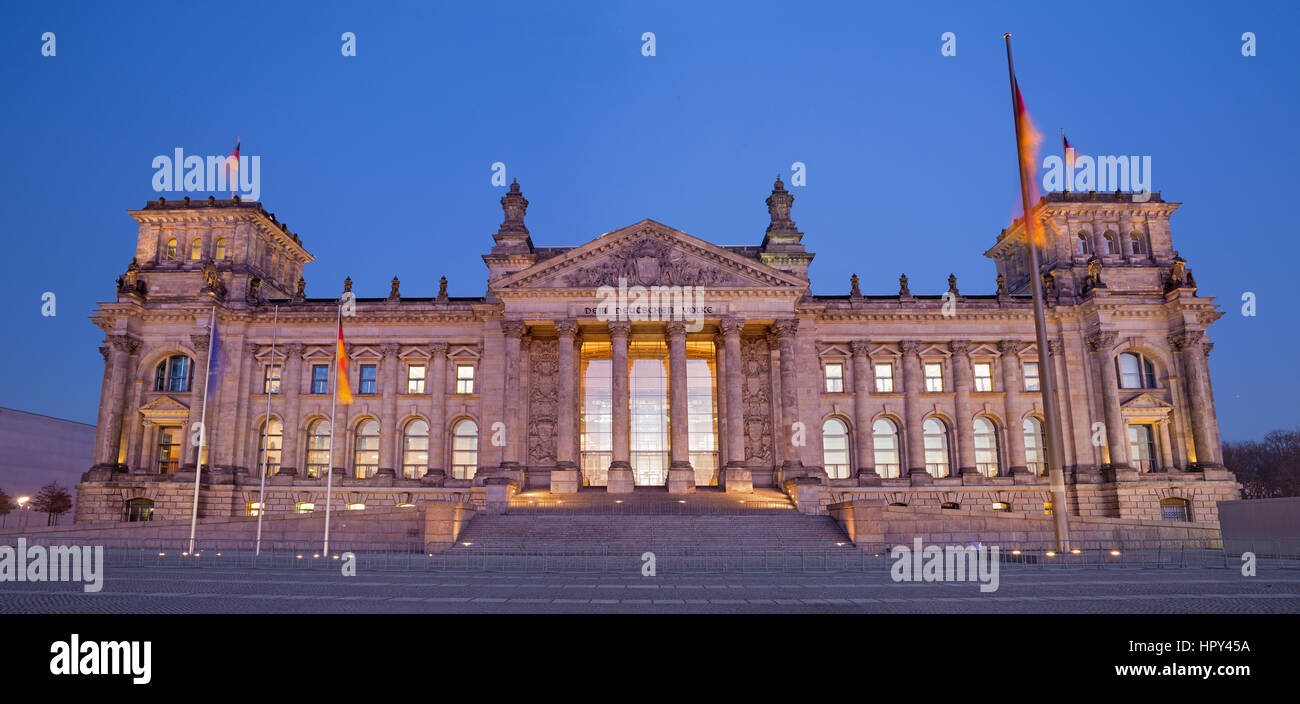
909 399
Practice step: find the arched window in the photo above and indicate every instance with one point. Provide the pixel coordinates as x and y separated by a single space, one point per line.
365 459
138 510
1112 247
884 438
221 248
1136 371
1172 509
936 447
986 447
415 449
1135 242
1085 245
464 450
1035 446
318 448
173 374
196 249
169 251
271 442
835 448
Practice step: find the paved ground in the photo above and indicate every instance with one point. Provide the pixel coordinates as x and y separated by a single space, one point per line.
220 590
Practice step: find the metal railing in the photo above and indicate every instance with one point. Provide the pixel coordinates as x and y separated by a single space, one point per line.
701 557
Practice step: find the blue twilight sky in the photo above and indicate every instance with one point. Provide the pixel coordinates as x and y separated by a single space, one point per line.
382 161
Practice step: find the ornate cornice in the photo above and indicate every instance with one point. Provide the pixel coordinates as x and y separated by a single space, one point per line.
1186 339
1102 340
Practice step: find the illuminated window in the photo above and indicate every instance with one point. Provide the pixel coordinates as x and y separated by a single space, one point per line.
271 443
369 375
1084 243
884 378
464 450
835 448
138 510
1031 376
596 421
933 377
415 378
318 448
320 378
834 378
253 508
936 447
356 506
950 505
196 249
415 449
1035 446
221 248
271 378
170 248
1047 507
983 376
304 507
365 461
1001 506
1141 447
173 374
1172 509
702 410
1136 371
986 447
884 436
464 378
169 449
648 398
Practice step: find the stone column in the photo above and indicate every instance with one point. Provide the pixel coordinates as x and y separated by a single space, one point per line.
681 476
513 331
1166 447
912 412
1011 386
564 478
963 380
117 358
865 444
135 427
436 385
291 387
737 477
785 337
620 469
1101 344
197 380
389 433
1196 373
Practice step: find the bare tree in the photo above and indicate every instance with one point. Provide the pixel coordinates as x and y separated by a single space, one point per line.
1266 468
53 500
6 505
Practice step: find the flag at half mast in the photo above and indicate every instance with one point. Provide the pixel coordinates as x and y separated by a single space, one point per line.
344 389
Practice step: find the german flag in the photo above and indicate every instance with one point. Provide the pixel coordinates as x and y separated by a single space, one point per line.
341 385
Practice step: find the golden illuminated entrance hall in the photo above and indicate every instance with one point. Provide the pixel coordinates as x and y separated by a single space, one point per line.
641 438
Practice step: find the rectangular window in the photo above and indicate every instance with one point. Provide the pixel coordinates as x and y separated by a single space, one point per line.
415 379
933 377
368 376
169 449
1031 376
464 378
1141 447
834 378
271 379
320 378
178 374
983 376
884 378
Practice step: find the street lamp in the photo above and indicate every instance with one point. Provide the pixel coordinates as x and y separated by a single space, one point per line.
22 510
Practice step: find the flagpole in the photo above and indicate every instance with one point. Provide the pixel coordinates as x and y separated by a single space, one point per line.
329 468
266 436
1055 469
203 428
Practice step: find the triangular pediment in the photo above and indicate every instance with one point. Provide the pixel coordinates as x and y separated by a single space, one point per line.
164 404
1145 402
649 254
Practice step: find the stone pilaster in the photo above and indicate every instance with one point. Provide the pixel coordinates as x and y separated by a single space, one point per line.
513 331
912 412
436 385
1011 401
863 440
198 380
565 478
1101 344
963 378
786 330
389 433
291 387
620 468
681 476
1196 373
108 441
737 476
